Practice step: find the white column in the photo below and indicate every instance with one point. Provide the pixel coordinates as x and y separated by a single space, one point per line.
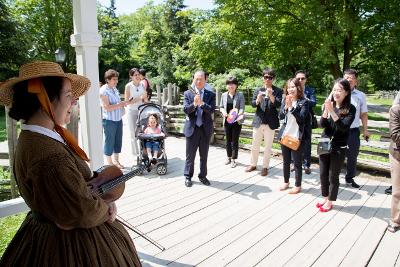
87 41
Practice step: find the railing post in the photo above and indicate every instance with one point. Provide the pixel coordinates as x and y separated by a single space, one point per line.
159 101
12 142
170 94
164 96
217 97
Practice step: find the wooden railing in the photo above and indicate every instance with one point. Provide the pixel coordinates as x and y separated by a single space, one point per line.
175 119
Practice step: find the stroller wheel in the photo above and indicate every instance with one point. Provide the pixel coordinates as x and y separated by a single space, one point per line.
161 169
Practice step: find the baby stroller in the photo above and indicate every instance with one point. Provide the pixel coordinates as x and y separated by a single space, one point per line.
145 110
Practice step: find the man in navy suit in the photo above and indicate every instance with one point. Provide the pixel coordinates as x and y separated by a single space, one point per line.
199 105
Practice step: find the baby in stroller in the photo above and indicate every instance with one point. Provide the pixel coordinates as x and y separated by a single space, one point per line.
150 135
153 146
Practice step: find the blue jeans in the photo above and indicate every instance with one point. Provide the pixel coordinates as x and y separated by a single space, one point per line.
153 145
113 137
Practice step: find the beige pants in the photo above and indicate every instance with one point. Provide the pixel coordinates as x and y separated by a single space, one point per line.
395 175
258 134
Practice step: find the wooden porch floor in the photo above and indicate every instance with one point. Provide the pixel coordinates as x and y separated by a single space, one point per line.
242 219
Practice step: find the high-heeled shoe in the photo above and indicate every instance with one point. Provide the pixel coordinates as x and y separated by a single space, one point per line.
322 209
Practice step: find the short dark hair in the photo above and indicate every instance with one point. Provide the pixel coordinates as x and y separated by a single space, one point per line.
269 71
143 72
301 71
231 79
133 70
25 104
200 71
351 72
109 74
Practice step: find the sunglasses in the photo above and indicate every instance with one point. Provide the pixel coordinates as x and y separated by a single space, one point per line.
268 78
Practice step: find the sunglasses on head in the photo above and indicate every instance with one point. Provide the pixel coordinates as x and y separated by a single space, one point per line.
268 78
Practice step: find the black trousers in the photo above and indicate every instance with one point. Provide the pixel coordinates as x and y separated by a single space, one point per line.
329 168
232 132
199 140
352 153
296 155
307 147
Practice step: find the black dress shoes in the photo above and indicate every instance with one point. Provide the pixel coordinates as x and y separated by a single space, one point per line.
388 191
204 180
352 184
188 182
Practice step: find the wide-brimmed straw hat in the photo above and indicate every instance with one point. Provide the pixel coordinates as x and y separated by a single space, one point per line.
37 69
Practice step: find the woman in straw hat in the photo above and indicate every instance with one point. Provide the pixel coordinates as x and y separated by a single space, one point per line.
67 225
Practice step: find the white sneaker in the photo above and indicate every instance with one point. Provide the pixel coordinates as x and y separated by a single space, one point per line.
228 160
233 164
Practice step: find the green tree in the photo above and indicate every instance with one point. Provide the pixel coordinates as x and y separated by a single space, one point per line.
13 46
47 25
324 37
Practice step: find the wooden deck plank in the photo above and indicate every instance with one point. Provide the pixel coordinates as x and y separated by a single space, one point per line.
338 249
323 238
362 251
280 236
387 252
243 220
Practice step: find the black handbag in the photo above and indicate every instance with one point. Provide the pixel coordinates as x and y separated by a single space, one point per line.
324 146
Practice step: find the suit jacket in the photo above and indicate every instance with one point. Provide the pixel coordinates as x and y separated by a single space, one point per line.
301 113
238 102
266 107
394 130
190 111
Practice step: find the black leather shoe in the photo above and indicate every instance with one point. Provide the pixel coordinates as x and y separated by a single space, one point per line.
388 191
353 184
204 180
188 182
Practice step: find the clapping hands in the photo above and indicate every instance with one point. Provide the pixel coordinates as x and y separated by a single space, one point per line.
197 100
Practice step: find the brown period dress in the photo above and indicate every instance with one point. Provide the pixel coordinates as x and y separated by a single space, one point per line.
52 181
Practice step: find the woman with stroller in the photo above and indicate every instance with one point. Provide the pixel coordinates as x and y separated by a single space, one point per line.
153 147
232 100
113 110
338 114
136 95
295 112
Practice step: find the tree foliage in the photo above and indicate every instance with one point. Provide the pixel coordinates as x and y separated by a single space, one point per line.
12 43
46 25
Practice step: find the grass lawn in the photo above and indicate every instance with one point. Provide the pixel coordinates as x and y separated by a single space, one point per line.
379 101
8 227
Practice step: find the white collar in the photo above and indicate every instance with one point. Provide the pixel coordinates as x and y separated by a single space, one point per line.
43 130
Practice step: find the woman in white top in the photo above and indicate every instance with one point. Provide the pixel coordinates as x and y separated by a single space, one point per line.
137 95
295 112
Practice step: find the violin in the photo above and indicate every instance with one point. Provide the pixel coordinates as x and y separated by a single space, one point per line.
108 182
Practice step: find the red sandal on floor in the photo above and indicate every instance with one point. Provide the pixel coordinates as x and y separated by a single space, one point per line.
322 209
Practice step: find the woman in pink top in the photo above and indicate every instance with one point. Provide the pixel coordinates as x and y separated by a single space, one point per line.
152 146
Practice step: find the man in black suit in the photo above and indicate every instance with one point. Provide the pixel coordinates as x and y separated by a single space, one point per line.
199 105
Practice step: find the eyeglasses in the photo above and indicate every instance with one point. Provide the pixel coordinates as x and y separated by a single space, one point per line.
301 78
268 78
